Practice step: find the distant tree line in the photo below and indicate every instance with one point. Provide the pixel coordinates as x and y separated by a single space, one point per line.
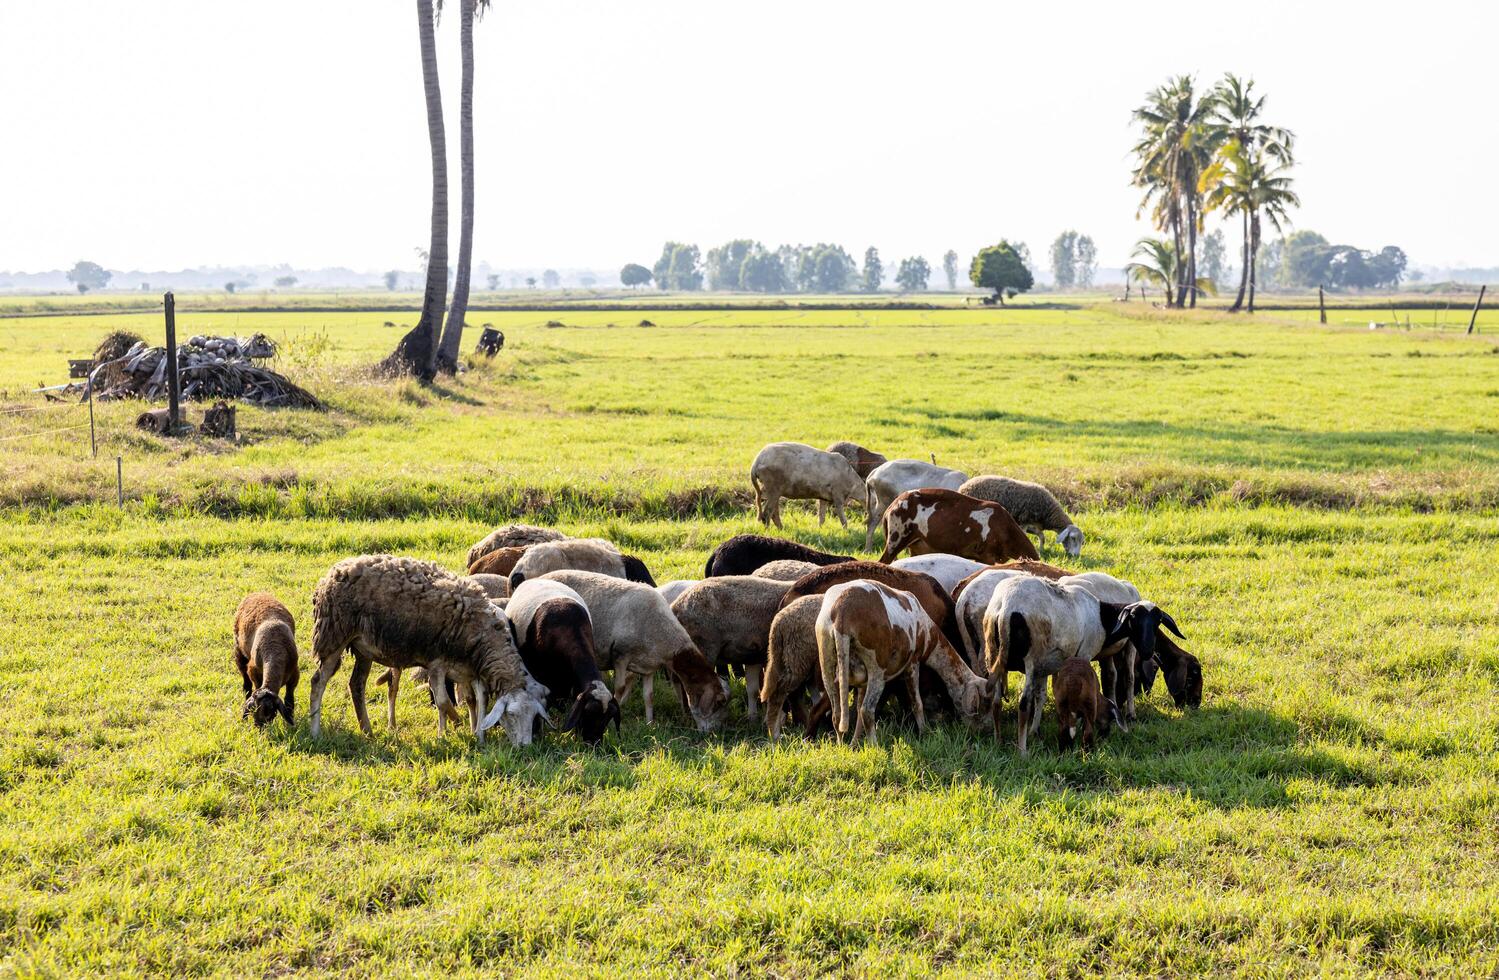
745 265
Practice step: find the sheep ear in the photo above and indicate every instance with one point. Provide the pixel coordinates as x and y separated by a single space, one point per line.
249 707
546 718
285 711
1113 712
575 715
1170 623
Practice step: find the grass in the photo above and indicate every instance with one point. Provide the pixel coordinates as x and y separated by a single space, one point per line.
1317 507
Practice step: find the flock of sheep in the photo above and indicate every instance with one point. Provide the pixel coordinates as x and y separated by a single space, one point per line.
539 617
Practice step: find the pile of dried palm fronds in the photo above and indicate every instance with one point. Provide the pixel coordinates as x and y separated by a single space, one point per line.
207 368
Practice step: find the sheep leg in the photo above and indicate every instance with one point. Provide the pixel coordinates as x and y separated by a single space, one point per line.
873 690
752 691
326 668
437 682
822 512
775 511
775 717
1029 706
357 678
647 691
870 520
291 698
1127 709
913 685
1108 676
393 681
838 513
243 663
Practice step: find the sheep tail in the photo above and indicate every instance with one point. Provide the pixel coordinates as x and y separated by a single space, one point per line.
844 642
759 496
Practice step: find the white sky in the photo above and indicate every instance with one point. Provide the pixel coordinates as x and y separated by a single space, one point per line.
170 133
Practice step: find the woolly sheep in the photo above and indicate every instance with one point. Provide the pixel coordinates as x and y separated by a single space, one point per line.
797 471
512 536
728 618
635 635
404 612
890 480
265 650
1033 507
791 663
784 569
670 590
580 554
494 586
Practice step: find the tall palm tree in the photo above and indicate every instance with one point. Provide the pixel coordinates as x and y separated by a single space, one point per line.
417 352
1178 144
1236 115
1160 265
452 334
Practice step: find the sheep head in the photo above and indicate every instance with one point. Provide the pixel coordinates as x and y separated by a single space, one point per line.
264 705
591 713
520 712
1071 540
1183 676
707 694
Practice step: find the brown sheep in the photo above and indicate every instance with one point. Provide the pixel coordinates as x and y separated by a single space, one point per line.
1080 704
791 666
512 536
954 523
265 650
499 562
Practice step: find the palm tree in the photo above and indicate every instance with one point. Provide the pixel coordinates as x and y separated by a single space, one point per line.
417 352
1235 115
1159 265
1178 144
452 334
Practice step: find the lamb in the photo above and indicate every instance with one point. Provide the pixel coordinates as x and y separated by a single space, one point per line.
889 635
265 650
1033 507
403 612
1080 704
512 536
947 569
954 523
791 664
580 554
728 618
798 472
1041 623
743 554
497 562
784 569
862 460
555 633
889 480
670 590
635 634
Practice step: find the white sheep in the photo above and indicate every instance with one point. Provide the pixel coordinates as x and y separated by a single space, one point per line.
580 554
670 590
796 471
890 480
945 568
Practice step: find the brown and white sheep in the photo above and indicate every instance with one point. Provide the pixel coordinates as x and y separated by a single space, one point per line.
889 480
579 554
744 554
869 634
728 618
784 569
512 536
796 471
265 650
954 523
555 633
404 612
635 635
1080 704
1033 506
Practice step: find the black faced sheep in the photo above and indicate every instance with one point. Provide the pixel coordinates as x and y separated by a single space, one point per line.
265 650
1033 507
555 632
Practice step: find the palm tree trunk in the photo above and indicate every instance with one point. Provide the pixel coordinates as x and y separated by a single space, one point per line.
452 334
1244 273
1254 251
1192 249
1173 296
417 352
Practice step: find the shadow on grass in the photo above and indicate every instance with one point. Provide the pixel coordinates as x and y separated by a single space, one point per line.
1224 755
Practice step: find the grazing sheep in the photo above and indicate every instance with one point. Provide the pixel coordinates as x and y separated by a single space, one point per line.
670 590
635 635
1033 507
728 618
1183 672
868 634
403 612
798 472
555 632
1027 565
579 554
862 460
947 569
512 536
784 569
954 523
889 480
1080 704
265 650
743 554
1041 623
928 591
494 586
497 562
791 663
968 608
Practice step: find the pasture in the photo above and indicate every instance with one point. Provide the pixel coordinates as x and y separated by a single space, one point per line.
1317 507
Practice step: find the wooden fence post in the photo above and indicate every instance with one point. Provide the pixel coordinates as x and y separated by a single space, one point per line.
1473 320
1321 305
172 390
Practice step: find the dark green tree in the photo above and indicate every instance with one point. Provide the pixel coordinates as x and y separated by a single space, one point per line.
913 274
633 275
762 272
1002 269
678 267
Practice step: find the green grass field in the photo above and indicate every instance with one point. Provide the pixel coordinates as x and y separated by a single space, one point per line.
1318 507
